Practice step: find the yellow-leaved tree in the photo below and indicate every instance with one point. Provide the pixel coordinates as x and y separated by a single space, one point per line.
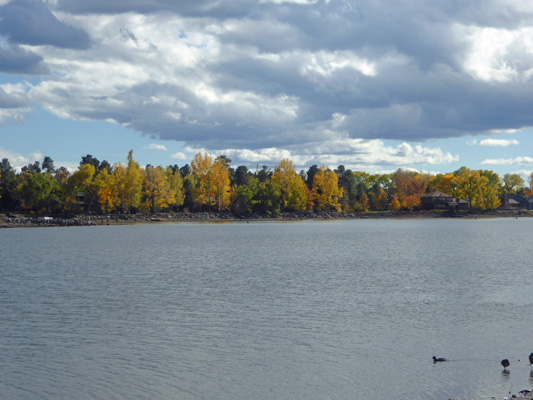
512 183
491 200
176 186
469 186
379 197
291 185
80 186
445 183
395 203
326 192
107 190
201 169
221 184
213 183
156 192
129 183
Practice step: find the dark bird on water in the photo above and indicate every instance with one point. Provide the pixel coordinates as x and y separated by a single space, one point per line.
436 360
505 363
531 359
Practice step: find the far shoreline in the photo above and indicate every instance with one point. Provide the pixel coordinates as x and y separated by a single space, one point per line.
19 220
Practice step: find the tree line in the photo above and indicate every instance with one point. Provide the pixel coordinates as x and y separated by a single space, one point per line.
211 183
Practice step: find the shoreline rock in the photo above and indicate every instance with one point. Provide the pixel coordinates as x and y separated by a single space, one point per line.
49 220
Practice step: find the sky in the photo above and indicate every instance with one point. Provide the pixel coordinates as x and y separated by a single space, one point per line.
374 85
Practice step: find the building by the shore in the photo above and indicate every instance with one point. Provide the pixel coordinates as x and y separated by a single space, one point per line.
436 200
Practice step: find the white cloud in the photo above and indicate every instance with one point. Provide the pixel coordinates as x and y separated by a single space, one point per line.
178 156
526 173
153 146
509 161
70 166
327 63
500 54
10 115
14 102
498 142
18 160
352 153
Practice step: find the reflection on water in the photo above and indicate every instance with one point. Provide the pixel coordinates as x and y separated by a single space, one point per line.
305 310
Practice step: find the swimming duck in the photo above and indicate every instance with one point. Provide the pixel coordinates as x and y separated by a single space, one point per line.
505 363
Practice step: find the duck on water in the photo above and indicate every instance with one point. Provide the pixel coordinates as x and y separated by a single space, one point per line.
505 363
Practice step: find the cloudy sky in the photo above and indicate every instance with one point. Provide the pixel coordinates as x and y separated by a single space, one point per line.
374 85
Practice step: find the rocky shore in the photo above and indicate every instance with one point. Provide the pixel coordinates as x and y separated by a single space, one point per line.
49 220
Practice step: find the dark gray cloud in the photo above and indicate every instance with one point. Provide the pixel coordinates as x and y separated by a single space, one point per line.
15 60
211 8
31 22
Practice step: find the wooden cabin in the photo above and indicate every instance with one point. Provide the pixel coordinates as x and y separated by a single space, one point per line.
436 200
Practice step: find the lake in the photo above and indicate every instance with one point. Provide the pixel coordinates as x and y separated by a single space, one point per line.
350 309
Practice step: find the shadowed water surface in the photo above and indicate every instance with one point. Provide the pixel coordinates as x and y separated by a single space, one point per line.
301 310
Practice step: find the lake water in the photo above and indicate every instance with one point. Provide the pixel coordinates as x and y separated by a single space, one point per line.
267 310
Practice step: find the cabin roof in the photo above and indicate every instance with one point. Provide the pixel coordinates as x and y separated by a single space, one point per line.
519 198
436 193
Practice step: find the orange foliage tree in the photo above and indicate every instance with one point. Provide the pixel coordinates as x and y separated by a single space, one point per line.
409 187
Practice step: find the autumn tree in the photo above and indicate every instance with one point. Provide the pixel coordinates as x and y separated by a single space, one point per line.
213 182
107 193
512 183
221 183
156 191
409 187
129 184
363 203
479 187
445 183
133 183
291 185
98 166
80 183
379 197
491 201
325 190
493 179
201 168
395 203
176 186
470 186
